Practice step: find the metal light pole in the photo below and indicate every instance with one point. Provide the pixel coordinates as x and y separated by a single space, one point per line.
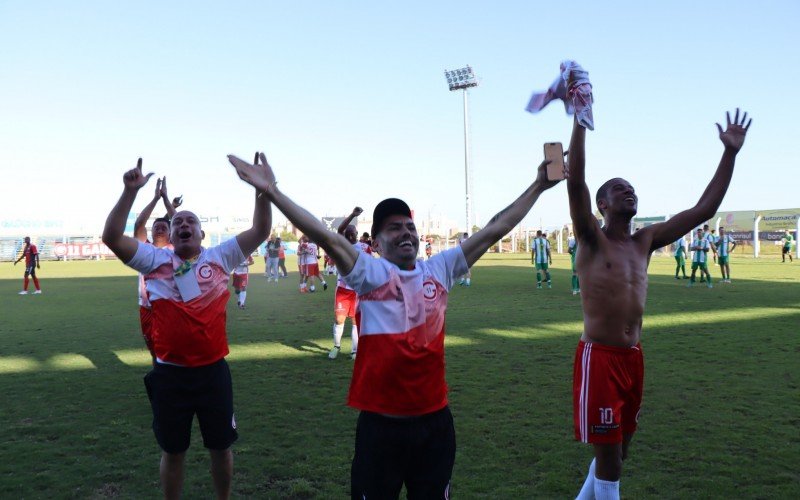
462 79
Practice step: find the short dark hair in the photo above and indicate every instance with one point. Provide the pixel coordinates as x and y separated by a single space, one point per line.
162 219
601 194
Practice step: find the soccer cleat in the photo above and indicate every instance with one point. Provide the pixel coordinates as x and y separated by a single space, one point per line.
709 285
574 292
549 285
24 292
37 292
676 277
324 285
334 352
353 356
538 286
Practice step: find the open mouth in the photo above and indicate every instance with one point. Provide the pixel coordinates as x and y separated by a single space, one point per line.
185 235
406 244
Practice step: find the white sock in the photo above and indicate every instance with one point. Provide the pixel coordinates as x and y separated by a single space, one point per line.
354 338
338 330
606 490
587 491
242 296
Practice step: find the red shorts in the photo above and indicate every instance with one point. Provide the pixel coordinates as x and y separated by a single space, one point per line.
607 387
310 269
146 320
240 281
345 302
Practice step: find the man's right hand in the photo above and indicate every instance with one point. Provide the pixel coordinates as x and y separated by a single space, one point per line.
160 186
358 211
134 179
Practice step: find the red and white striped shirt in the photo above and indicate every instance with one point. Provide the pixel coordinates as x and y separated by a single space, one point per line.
400 365
189 310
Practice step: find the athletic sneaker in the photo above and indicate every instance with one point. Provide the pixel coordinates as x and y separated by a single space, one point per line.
24 292
324 285
574 292
549 285
709 285
334 352
353 356
37 292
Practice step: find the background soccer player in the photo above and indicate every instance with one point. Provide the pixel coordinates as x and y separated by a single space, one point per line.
787 246
31 255
725 245
541 258
680 257
240 276
700 246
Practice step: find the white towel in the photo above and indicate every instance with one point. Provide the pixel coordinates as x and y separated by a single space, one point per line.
574 88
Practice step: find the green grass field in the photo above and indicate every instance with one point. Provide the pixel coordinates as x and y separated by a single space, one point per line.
721 414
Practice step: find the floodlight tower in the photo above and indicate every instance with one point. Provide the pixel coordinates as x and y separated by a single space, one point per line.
462 79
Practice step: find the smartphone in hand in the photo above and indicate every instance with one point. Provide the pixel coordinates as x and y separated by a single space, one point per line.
554 152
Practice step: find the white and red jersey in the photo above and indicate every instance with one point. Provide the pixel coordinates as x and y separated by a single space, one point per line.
144 300
244 266
309 255
360 246
400 364
189 301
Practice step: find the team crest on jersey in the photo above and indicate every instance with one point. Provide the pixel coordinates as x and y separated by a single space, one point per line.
204 272
429 289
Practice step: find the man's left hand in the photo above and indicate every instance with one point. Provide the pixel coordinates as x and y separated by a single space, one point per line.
733 136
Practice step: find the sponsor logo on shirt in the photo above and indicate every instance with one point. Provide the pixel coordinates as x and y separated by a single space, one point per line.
429 290
204 272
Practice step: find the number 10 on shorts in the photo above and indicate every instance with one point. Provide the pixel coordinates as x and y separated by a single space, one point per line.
606 416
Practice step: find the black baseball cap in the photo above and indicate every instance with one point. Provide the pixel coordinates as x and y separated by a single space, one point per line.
384 210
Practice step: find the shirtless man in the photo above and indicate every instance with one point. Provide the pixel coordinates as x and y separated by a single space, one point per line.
612 266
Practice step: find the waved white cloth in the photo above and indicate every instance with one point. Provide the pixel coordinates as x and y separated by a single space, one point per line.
574 88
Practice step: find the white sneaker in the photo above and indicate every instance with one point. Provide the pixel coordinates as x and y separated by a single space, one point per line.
334 352
37 292
24 292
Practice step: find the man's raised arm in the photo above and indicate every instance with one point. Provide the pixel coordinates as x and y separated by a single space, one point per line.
346 222
502 223
114 237
584 224
732 139
263 179
140 226
164 196
250 239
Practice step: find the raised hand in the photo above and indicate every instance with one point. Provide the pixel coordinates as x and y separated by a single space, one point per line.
733 136
162 191
358 211
158 188
134 179
541 176
259 174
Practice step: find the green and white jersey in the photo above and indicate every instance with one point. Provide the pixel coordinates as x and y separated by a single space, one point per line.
540 248
572 246
723 245
700 247
787 240
680 247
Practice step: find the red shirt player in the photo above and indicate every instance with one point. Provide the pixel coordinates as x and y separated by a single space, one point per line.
405 433
188 292
159 237
345 303
31 255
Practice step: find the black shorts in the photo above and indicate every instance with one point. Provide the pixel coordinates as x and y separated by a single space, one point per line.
417 451
176 394
30 270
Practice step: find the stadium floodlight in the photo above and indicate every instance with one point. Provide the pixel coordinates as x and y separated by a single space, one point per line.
463 79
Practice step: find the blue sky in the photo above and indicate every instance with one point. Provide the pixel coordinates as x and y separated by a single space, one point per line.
350 104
